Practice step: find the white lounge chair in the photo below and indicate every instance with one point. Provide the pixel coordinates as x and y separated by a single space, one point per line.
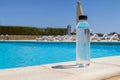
105 37
114 38
95 37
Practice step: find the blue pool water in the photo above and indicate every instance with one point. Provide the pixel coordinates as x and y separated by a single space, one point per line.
21 54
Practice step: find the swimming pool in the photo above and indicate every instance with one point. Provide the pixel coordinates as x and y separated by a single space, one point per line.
21 54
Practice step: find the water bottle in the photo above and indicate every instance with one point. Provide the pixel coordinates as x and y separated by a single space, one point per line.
83 42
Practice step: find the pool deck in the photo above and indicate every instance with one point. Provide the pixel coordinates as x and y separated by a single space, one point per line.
107 68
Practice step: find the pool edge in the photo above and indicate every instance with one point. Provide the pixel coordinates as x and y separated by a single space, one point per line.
100 68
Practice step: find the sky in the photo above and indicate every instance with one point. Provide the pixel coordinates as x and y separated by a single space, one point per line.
103 15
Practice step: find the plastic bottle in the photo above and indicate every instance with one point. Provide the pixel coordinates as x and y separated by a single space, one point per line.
83 42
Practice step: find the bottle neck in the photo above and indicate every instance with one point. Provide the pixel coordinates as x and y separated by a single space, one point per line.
83 24
82 20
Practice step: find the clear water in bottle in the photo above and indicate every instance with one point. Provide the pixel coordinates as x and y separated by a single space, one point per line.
83 47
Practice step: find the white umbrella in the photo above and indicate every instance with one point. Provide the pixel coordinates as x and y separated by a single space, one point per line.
79 11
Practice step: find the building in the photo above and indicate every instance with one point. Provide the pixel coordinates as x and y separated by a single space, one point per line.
68 29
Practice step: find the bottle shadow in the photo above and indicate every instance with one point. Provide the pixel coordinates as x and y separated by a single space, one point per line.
64 66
